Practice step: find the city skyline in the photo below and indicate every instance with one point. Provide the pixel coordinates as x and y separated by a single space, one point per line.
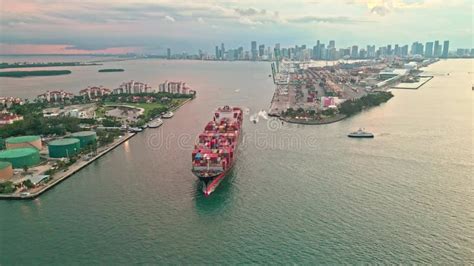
142 26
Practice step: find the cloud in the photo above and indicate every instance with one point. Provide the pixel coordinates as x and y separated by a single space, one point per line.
384 7
248 21
201 20
250 11
170 18
315 19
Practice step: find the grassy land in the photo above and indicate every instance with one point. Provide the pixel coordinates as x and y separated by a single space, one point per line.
21 74
147 106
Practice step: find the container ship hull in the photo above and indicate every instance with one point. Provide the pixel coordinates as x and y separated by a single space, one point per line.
215 152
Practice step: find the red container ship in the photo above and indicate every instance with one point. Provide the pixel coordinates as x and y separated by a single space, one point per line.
215 151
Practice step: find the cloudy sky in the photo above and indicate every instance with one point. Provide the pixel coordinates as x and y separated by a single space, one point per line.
150 26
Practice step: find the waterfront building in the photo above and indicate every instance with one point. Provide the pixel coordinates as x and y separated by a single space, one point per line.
64 148
174 87
21 157
253 50
429 49
55 96
261 50
168 53
217 52
133 87
445 49
85 138
416 49
94 92
437 49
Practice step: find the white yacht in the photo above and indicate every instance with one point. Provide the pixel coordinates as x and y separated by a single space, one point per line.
155 123
168 114
360 134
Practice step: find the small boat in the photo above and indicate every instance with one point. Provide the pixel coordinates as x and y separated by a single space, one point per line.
155 123
360 134
254 118
135 129
167 115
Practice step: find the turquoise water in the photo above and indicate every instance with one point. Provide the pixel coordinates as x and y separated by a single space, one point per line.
297 194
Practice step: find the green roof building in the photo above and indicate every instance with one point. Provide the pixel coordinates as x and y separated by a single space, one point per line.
85 137
21 157
62 148
24 142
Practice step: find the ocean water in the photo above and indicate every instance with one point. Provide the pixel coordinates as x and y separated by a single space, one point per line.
297 194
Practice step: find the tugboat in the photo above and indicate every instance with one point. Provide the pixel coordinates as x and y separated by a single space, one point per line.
155 123
167 115
360 134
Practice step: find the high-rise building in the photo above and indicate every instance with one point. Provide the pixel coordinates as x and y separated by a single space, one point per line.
323 51
370 51
355 51
404 50
222 51
429 49
396 50
254 50
261 50
318 50
168 53
445 49
217 53
437 49
416 49
332 44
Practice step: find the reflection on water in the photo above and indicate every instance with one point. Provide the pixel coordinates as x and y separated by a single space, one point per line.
332 201
220 199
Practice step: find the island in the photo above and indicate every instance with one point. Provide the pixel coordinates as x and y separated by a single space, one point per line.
43 142
34 73
48 64
112 70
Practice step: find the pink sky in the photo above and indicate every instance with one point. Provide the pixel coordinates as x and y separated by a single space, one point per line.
58 49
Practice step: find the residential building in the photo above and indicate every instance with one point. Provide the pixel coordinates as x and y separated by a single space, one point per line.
9 118
55 96
94 92
133 87
445 49
175 87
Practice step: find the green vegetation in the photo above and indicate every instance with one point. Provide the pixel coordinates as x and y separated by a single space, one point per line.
38 125
50 64
351 107
112 70
111 122
35 73
27 183
106 137
7 187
